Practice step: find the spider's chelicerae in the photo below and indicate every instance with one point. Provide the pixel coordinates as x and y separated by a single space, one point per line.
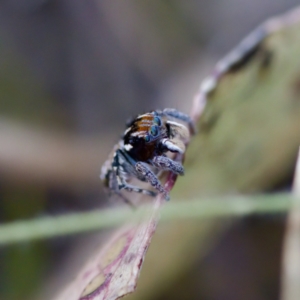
141 153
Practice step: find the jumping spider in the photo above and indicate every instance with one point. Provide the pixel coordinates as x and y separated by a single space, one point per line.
141 153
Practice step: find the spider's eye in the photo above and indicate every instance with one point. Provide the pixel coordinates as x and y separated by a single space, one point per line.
147 138
157 121
154 130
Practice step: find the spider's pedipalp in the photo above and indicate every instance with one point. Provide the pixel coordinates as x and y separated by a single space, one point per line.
176 146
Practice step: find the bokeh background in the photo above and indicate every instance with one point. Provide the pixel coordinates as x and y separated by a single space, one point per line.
71 73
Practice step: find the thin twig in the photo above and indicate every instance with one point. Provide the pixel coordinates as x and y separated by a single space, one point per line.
47 227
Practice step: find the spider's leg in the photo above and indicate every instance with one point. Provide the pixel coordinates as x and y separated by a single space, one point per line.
130 166
166 163
123 184
132 188
150 177
115 187
174 113
125 169
112 181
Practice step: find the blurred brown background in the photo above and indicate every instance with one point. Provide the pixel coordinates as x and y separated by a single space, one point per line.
71 73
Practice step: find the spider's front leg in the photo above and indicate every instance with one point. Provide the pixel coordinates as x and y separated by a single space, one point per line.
166 163
150 177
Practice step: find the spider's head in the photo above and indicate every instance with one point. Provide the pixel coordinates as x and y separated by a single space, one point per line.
152 134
